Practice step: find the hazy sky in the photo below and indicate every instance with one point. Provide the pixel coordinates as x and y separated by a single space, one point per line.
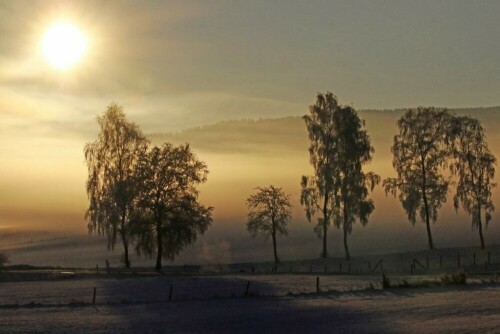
178 64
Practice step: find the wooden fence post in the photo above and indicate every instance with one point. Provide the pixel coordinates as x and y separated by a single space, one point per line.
385 282
379 263
317 284
248 287
93 296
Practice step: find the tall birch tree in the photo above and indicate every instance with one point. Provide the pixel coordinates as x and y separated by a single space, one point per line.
474 166
111 185
420 155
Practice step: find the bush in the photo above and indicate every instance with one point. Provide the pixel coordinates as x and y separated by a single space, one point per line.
4 259
455 279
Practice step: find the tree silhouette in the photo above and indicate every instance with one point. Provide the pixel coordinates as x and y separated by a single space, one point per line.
353 151
269 213
340 146
319 192
474 165
111 185
172 216
420 153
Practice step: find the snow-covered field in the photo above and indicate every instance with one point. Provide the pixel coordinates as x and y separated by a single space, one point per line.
276 303
157 288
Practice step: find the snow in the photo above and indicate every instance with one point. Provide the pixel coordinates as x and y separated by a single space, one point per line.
214 304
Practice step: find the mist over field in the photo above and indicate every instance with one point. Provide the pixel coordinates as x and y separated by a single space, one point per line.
231 78
41 217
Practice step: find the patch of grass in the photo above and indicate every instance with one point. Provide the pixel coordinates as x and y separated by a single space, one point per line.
425 284
357 287
404 284
76 301
447 279
454 279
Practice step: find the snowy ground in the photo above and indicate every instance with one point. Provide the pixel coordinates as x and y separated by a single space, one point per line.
114 288
215 304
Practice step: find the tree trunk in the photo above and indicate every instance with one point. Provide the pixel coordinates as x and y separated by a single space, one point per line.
276 258
159 244
426 206
480 225
346 247
427 220
125 254
427 223
123 233
324 254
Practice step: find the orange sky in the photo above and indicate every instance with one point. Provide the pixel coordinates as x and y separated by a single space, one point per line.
174 66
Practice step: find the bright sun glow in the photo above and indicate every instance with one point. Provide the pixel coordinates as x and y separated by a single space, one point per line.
63 45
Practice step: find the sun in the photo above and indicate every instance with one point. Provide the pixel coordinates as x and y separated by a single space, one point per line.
63 45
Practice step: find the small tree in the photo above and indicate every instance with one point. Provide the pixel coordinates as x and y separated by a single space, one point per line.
420 154
474 165
269 213
111 184
172 217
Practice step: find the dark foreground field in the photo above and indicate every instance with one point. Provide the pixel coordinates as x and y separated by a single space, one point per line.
274 303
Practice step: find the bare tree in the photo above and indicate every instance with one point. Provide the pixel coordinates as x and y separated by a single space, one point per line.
269 213
172 216
420 154
474 165
111 185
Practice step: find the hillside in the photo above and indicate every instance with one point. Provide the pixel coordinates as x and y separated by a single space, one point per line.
289 133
